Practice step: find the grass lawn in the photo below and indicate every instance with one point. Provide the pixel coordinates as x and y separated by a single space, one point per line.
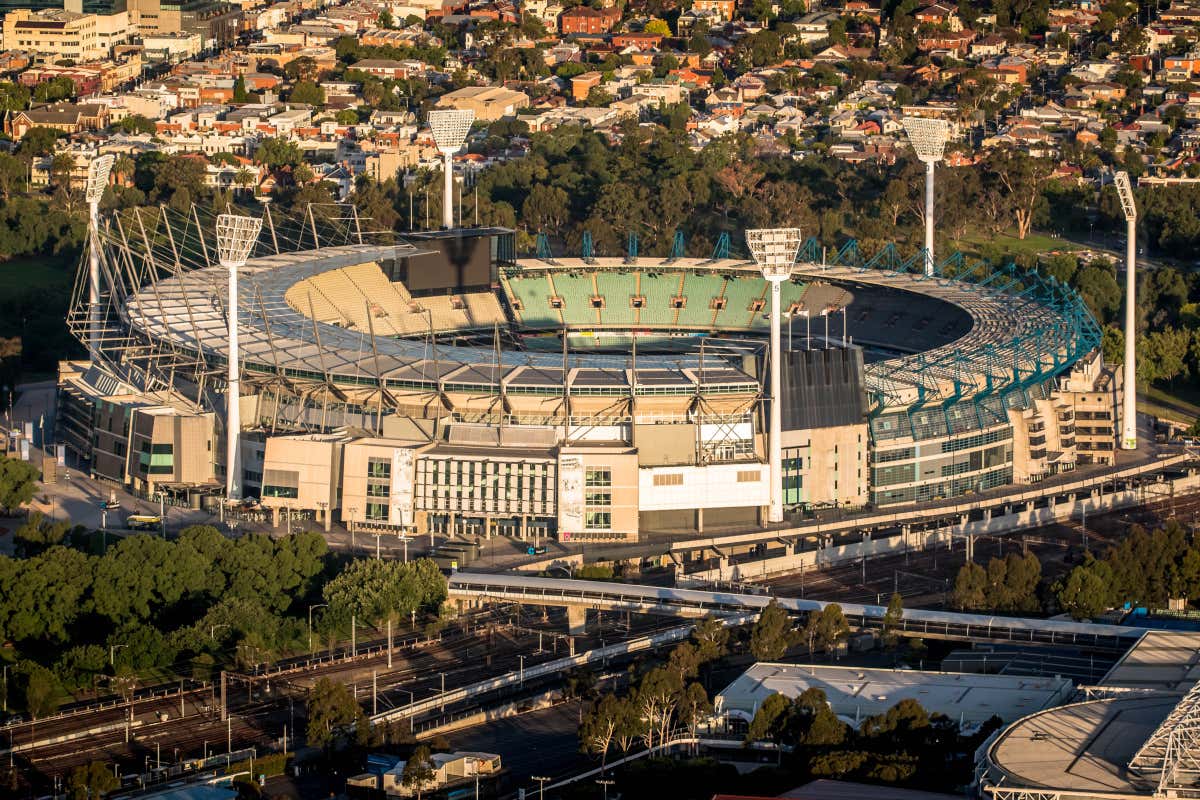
36 272
1180 403
1032 244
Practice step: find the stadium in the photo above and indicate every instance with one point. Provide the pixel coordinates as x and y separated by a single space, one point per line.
440 382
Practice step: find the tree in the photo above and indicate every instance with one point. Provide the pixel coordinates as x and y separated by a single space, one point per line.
656 698
1086 591
825 628
601 724
240 95
1020 179
711 638
91 782
658 27
39 141
135 123
274 152
693 706
42 692
375 590
37 533
970 588
385 19
332 710
18 482
772 634
308 93
418 769
892 619
770 720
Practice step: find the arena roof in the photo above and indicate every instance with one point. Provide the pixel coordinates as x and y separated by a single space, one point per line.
855 693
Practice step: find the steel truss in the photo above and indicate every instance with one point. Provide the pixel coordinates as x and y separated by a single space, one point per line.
1171 756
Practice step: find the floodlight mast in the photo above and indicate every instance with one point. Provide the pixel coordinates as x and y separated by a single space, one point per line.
236 236
450 128
774 251
1129 391
928 138
97 178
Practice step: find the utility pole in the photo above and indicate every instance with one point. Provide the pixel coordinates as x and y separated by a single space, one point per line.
224 709
389 643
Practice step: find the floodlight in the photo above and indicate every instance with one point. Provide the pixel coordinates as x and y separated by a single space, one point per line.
927 136
97 178
450 128
236 236
1129 390
774 251
1125 192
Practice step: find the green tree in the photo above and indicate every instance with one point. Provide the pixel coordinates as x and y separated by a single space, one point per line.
770 720
970 588
892 619
375 590
711 638
18 482
135 123
825 628
240 95
772 633
274 152
308 93
91 782
1086 591
601 724
418 769
39 141
43 694
332 710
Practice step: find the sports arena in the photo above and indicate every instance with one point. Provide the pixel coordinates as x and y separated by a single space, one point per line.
442 382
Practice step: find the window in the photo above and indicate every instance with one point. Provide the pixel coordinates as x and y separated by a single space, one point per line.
280 491
749 475
377 490
598 476
669 479
377 512
379 468
598 520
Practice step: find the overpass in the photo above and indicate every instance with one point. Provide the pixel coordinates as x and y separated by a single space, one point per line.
577 597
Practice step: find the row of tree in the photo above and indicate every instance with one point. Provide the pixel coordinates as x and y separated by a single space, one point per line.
186 605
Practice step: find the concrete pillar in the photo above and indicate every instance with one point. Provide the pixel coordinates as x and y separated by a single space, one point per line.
700 520
524 526
450 524
576 622
275 517
326 518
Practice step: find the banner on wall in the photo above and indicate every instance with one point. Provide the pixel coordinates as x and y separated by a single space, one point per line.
570 494
402 487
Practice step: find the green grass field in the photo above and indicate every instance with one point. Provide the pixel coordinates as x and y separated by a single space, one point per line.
1180 403
1032 244
36 272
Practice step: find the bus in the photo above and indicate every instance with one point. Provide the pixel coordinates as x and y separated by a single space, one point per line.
143 522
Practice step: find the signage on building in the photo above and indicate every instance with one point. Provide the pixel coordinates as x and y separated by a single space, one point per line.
402 483
570 494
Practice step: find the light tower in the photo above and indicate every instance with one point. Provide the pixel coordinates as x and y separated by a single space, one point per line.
928 137
236 236
450 129
1129 396
97 179
775 251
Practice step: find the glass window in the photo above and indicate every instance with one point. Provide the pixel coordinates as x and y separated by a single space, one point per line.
379 468
597 520
598 476
377 512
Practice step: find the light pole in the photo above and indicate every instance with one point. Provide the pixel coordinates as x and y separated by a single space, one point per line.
605 782
1129 395
774 251
236 236
310 610
212 629
928 137
97 179
450 128
542 781
112 655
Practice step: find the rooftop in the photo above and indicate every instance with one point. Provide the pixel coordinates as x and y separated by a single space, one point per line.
856 693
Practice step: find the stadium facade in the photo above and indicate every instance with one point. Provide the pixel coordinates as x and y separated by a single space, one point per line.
441 383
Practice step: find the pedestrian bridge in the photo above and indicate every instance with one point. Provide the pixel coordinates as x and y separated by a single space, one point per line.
579 596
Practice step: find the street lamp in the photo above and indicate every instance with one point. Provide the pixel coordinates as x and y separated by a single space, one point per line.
112 653
542 781
236 236
450 128
97 179
928 137
1129 397
310 610
774 251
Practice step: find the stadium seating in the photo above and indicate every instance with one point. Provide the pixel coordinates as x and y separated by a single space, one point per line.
618 290
576 291
658 288
700 289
